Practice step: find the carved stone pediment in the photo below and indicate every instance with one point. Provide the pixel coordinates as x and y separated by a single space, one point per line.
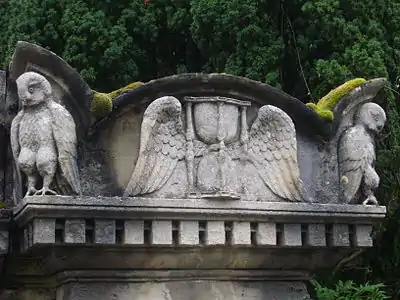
192 181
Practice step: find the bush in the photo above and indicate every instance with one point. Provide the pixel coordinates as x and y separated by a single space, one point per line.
350 291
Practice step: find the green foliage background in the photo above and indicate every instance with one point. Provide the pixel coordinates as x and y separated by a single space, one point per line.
112 43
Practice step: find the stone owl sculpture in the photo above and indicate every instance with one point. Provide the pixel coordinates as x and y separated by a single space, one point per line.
43 138
356 154
270 148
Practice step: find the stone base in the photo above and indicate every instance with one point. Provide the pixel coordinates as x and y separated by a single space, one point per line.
184 290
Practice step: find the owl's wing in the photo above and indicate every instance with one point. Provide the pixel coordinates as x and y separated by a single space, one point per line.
162 145
273 151
64 133
14 135
352 163
15 147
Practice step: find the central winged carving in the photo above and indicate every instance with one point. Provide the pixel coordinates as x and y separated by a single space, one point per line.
208 149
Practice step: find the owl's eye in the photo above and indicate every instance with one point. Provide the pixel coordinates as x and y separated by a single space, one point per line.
30 89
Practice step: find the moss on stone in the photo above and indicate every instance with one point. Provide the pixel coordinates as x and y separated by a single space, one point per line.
101 103
324 107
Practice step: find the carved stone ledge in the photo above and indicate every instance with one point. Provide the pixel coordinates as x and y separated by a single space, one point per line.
57 207
5 218
139 233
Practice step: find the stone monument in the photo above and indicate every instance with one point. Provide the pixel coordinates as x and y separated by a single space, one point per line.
195 186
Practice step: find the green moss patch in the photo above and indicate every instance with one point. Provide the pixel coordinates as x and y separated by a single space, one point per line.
324 107
101 104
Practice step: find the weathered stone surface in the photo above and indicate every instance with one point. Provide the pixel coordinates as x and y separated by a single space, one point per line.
104 231
75 231
44 231
189 233
215 233
24 293
357 155
3 135
266 234
183 290
165 143
363 236
341 235
241 233
161 233
316 235
134 232
291 235
68 86
43 138
232 174
172 239
317 159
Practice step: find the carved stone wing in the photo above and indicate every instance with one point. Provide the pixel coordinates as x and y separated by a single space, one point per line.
64 133
352 163
14 135
273 151
162 145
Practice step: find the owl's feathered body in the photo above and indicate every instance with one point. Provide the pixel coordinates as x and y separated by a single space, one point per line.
356 155
43 136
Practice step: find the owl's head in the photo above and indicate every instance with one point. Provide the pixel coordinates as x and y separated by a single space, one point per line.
372 117
33 89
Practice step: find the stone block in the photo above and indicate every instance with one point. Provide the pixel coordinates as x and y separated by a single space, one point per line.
241 234
363 236
266 234
104 232
189 233
340 235
4 236
75 231
44 231
316 235
25 240
215 233
134 232
292 235
161 233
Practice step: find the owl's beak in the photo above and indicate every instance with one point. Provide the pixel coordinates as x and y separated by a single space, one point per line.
25 100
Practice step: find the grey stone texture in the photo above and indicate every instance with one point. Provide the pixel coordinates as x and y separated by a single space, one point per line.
189 233
43 231
184 290
215 233
104 232
75 231
43 137
241 233
267 152
316 235
266 234
363 236
134 232
357 155
195 186
291 235
161 233
341 235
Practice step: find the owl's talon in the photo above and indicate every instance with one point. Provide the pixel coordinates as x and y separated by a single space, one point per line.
31 191
371 201
43 191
